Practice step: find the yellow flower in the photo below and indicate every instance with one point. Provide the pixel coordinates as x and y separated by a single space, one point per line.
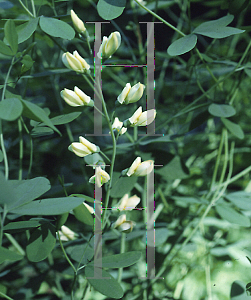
127 203
131 94
109 45
75 62
83 148
139 168
123 225
100 177
77 23
76 97
142 119
117 125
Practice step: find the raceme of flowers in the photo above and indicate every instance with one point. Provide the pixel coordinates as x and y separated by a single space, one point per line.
128 95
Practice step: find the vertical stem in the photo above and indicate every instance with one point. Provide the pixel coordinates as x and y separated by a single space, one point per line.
21 150
6 165
122 250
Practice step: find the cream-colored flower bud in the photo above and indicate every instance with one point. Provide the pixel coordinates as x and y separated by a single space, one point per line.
131 94
117 125
109 45
75 62
77 23
127 203
100 177
83 148
142 119
67 234
90 208
139 168
123 225
76 97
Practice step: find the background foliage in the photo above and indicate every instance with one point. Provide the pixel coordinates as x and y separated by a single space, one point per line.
202 181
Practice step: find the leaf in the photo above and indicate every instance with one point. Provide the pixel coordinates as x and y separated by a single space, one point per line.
106 285
11 35
27 63
221 110
85 198
120 260
10 109
182 45
228 213
110 9
122 185
36 113
81 253
56 28
7 195
6 254
217 28
175 169
240 199
64 119
26 30
23 225
162 139
186 201
82 214
28 190
4 49
48 207
41 131
41 242
1 155
235 129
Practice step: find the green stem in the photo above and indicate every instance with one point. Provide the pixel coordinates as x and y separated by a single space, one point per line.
31 147
33 8
65 254
159 18
15 243
6 165
5 296
21 150
105 156
217 163
2 220
122 250
26 9
113 155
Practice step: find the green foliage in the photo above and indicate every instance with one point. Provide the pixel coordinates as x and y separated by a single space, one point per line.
56 28
182 45
106 285
218 29
200 148
110 9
